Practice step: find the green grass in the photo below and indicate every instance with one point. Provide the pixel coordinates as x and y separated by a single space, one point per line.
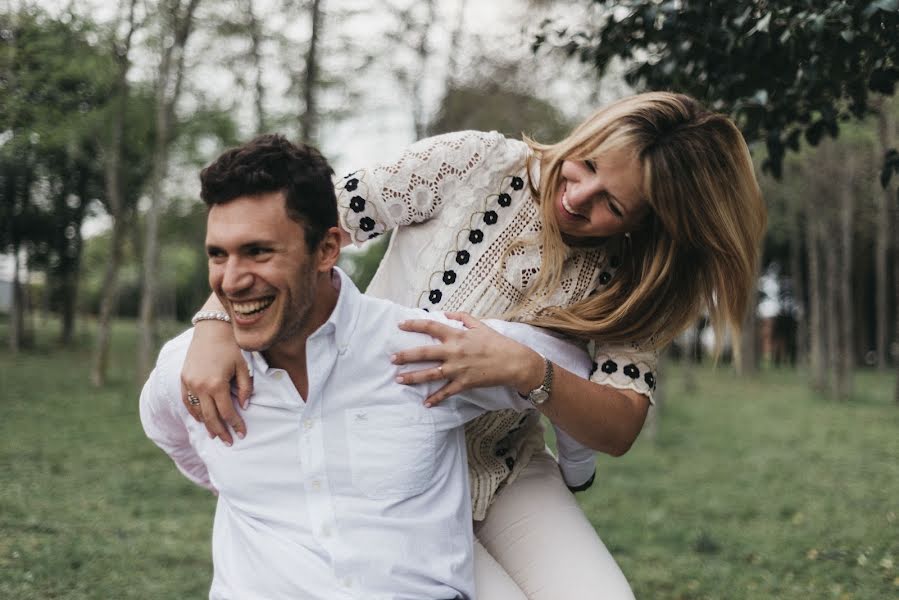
752 489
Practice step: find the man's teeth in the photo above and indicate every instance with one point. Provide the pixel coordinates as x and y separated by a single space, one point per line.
248 308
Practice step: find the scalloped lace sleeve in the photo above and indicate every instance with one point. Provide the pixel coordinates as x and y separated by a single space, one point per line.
414 188
625 367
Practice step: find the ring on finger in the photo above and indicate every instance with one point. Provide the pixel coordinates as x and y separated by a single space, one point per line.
440 370
194 401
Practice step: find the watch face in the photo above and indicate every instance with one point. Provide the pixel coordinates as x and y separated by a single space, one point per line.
538 396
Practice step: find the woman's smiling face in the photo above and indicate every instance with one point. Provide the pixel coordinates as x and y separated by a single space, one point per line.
600 198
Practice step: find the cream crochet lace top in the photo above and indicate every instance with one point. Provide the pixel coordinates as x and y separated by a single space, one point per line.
455 203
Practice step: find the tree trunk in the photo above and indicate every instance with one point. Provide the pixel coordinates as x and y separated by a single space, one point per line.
170 74
817 335
798 280
309 118
255 29
17 310
71 259
452 67
847 341
886 125
114 203
423 51
831 307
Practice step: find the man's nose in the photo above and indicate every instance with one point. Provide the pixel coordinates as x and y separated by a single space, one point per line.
237 277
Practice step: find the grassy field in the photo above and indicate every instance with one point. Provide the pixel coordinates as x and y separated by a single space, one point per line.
751 489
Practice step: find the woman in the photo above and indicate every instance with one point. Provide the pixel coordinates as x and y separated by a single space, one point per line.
621 235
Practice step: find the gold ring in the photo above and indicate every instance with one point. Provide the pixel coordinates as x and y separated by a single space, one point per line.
194 401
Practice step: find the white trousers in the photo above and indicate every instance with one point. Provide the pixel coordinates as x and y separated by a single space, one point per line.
537 544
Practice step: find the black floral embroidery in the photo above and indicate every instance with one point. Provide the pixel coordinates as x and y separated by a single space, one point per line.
435 296
510 463
476 236
351 185
517 183
632 371
449 277
504 200
372 236
650 380
490 217
605 277
609 367
593 368
357 203
366 224
462 257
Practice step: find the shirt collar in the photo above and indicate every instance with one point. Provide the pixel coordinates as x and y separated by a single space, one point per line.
340 324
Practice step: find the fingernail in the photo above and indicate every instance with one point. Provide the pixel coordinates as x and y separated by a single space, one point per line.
428 405
240 434
211 436
245 403
393 358
400 379
227 443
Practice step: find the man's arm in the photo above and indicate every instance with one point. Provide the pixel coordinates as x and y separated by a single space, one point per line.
162 424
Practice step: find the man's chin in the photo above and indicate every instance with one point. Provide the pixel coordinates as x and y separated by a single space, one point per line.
252 343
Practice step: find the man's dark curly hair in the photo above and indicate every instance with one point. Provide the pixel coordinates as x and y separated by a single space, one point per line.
270 163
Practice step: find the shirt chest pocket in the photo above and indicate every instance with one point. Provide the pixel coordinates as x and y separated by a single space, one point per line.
391 450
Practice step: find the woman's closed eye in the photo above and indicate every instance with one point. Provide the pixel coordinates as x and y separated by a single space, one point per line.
613 208
591 165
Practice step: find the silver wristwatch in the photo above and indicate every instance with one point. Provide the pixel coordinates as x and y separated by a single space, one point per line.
540 395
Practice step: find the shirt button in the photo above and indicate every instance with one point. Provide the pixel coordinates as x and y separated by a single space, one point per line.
308 424
278 375
316 484
347 582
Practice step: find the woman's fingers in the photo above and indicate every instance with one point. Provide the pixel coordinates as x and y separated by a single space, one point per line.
419 354
434 329
422 376
464 318
443 393
191 403
244 384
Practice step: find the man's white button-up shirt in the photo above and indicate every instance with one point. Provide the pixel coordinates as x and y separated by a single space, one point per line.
358 490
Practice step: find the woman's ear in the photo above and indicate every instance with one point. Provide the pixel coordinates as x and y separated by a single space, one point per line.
328 250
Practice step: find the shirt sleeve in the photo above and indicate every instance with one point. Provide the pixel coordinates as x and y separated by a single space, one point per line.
415 187
165 427
625 367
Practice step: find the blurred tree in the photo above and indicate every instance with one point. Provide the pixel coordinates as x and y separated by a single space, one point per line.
784 69
57 85
122 187
176 23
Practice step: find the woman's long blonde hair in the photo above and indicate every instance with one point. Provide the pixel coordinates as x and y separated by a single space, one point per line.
699 247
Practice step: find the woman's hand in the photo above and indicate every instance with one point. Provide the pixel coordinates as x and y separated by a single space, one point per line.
476 356
213 360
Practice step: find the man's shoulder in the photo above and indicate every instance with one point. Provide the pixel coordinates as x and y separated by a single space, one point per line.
380 318
171 356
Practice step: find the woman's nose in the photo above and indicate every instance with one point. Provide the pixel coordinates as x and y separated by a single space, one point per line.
583 192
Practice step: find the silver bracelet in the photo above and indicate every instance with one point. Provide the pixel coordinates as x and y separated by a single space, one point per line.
207 315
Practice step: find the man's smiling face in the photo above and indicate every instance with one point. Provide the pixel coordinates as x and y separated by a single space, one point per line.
261 269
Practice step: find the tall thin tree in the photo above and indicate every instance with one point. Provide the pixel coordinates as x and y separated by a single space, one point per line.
177 19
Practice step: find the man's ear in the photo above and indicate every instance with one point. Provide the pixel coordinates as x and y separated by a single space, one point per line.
329 250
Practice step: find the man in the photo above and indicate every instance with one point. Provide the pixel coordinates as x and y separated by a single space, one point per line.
349 486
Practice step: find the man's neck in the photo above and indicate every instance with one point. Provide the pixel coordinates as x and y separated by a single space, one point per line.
290 354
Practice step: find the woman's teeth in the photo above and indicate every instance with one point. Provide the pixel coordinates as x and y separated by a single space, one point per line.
568 208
